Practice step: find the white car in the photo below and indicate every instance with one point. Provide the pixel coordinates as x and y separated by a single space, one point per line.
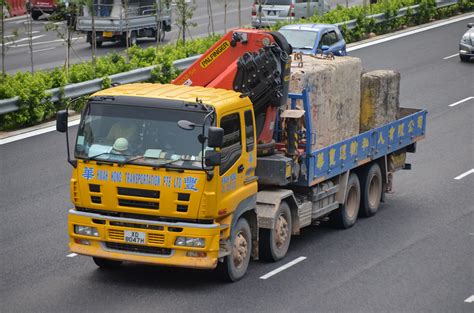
268 12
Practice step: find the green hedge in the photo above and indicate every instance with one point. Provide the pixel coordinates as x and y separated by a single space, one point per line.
35 104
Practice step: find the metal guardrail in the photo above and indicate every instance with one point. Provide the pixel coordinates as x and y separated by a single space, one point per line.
91 86
142 74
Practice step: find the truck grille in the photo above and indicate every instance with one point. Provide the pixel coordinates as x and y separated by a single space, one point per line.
136 248
139 204
144 193
149 197
158 239
116 234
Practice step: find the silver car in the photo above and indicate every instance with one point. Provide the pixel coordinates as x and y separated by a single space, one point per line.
466 46
268 12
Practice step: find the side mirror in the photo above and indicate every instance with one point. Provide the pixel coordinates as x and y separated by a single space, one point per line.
469 25
324 47
61 121
213 158
215 137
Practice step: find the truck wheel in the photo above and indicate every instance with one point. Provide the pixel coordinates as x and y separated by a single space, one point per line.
371 183
236 263
106 263
274 243
346 215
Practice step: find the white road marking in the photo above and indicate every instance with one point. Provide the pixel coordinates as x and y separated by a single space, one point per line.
461 101
470 299
464 174
71 255
45 42
408 33
451 56
284 267
40 50
20 40
34 133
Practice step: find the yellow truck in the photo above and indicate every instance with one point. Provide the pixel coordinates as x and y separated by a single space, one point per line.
184 176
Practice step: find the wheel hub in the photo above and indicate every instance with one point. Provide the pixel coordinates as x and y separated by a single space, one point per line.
281 231
240 250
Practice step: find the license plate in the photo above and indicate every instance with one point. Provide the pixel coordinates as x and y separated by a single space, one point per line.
135 237
107 34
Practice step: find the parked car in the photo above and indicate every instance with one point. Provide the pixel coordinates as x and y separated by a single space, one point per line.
268 12
315 38
39 7
466 46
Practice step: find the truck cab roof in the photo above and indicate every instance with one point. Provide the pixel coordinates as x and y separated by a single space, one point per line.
221 99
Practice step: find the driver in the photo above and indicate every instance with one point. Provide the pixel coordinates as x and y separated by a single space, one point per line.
124 128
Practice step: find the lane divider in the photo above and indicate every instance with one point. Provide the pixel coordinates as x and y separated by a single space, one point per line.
71 255
461 101
464 174
284 267
451 56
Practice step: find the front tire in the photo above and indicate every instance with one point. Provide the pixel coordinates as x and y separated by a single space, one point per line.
236 263
346 215
274 243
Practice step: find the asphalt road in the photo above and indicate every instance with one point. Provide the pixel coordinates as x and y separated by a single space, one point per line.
415 255
49 50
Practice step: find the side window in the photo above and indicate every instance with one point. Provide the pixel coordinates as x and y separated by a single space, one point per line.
323 41
332 38
249 133
232 144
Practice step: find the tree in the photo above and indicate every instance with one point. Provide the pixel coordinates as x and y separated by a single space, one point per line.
184 11
210 24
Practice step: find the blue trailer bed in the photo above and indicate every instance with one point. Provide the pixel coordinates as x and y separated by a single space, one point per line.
348 154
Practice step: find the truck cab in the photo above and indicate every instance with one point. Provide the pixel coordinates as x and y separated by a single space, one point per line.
140 188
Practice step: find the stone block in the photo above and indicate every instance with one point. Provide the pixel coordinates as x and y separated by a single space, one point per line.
380 102
334 88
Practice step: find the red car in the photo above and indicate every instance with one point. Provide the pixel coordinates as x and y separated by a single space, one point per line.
38 7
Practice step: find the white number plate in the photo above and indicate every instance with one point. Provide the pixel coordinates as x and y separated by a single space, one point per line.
135 237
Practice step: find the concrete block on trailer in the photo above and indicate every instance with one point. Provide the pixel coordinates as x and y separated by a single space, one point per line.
379 105
334 91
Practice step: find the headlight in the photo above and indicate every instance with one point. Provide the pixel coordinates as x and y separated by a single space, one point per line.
86 230
190 242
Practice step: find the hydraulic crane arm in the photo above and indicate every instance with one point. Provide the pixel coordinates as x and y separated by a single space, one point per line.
253 62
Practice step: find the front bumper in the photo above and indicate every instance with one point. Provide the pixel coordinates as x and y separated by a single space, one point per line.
159 245
466 49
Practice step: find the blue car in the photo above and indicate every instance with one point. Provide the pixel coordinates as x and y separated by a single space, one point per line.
314 38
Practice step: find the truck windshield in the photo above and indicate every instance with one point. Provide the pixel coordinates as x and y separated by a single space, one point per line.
139 135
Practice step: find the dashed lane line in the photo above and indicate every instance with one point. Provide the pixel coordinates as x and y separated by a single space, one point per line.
41 50
470 299
71 255
464 174
451 56
461 101
284 267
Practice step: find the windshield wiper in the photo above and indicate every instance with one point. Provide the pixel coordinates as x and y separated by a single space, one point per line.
86 159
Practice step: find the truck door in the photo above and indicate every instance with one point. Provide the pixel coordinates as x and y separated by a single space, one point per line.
238 161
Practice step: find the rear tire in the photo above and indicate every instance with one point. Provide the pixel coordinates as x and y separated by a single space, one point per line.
346 215
274 243
371 184
236 263
106 263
